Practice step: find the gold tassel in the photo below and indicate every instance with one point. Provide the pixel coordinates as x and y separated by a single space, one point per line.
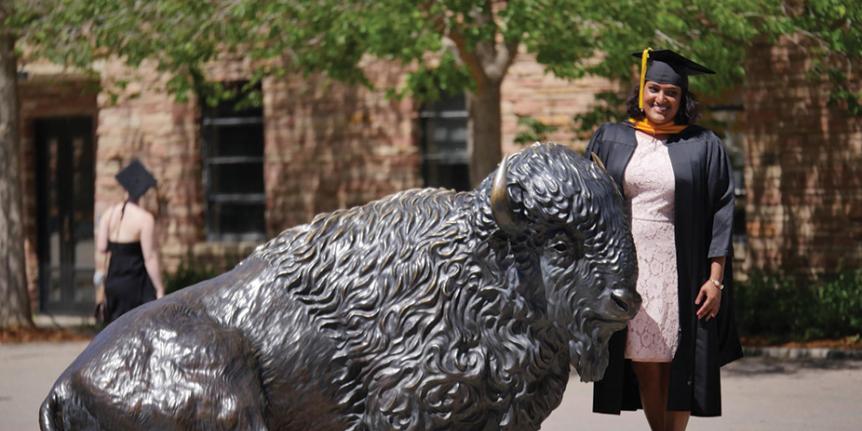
644 58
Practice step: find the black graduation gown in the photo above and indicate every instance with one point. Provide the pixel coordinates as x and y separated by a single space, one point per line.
704 204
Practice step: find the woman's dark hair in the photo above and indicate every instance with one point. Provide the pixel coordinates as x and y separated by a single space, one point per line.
689 109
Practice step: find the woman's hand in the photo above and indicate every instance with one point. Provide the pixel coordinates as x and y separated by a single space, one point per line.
710 296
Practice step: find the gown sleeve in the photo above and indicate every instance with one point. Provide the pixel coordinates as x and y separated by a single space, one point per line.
721 199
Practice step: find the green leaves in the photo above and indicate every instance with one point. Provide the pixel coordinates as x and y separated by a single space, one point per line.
834 29
712 32
532 130
609 107
786 308
430 81
570 38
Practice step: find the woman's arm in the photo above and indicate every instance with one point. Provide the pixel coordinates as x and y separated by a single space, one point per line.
710 292
102 233
101 254
151 254
716 268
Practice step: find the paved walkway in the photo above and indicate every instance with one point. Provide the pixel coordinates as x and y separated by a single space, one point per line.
760 394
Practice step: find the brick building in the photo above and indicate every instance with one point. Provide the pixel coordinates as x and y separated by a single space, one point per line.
229 178
803 167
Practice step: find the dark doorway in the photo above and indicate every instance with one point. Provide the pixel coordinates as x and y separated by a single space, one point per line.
66 183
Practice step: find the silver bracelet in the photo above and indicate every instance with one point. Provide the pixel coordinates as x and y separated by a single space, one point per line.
98 278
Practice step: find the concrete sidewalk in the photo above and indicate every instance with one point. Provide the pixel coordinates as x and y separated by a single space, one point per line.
27 372
759 394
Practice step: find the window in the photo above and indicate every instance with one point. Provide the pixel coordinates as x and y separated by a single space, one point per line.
233 169
445 159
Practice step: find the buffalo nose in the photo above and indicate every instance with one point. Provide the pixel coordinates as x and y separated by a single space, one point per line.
627 299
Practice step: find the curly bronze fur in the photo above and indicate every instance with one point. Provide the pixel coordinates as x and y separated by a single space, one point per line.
412 312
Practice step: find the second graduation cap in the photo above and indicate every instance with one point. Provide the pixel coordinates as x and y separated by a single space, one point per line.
667 67
136 179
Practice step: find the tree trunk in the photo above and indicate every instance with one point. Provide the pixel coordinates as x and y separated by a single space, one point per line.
14 301
486 135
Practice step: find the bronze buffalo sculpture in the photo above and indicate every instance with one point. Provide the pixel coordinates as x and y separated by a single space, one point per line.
425 310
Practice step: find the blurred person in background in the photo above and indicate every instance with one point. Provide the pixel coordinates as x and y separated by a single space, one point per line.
127 261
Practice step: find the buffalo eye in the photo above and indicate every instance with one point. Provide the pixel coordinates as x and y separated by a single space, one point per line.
560 243
563 245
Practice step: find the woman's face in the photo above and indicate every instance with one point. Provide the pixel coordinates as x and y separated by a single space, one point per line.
661 101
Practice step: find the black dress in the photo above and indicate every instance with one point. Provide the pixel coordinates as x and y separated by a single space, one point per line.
127 284
703 220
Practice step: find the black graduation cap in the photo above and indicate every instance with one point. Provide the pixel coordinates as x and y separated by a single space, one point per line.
668 67
136 179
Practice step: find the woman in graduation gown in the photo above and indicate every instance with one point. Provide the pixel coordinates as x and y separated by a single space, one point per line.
676 177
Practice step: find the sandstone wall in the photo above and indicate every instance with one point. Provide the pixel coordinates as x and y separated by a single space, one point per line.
803 167
529 90
148 123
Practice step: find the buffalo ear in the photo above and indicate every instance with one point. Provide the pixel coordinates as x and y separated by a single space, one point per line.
598 161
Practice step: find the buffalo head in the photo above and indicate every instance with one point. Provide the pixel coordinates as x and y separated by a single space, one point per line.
566 215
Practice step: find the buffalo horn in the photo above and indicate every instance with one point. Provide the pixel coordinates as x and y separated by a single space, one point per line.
598 161
500 206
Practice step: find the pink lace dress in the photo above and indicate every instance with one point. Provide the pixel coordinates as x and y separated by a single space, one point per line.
653 335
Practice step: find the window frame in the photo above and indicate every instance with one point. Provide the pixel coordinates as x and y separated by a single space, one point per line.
441 110
214 118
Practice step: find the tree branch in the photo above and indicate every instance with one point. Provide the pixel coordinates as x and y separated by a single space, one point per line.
469 58
495 57
459 45
506 54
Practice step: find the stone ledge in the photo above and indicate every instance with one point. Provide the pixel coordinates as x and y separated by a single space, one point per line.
802 353
63 320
